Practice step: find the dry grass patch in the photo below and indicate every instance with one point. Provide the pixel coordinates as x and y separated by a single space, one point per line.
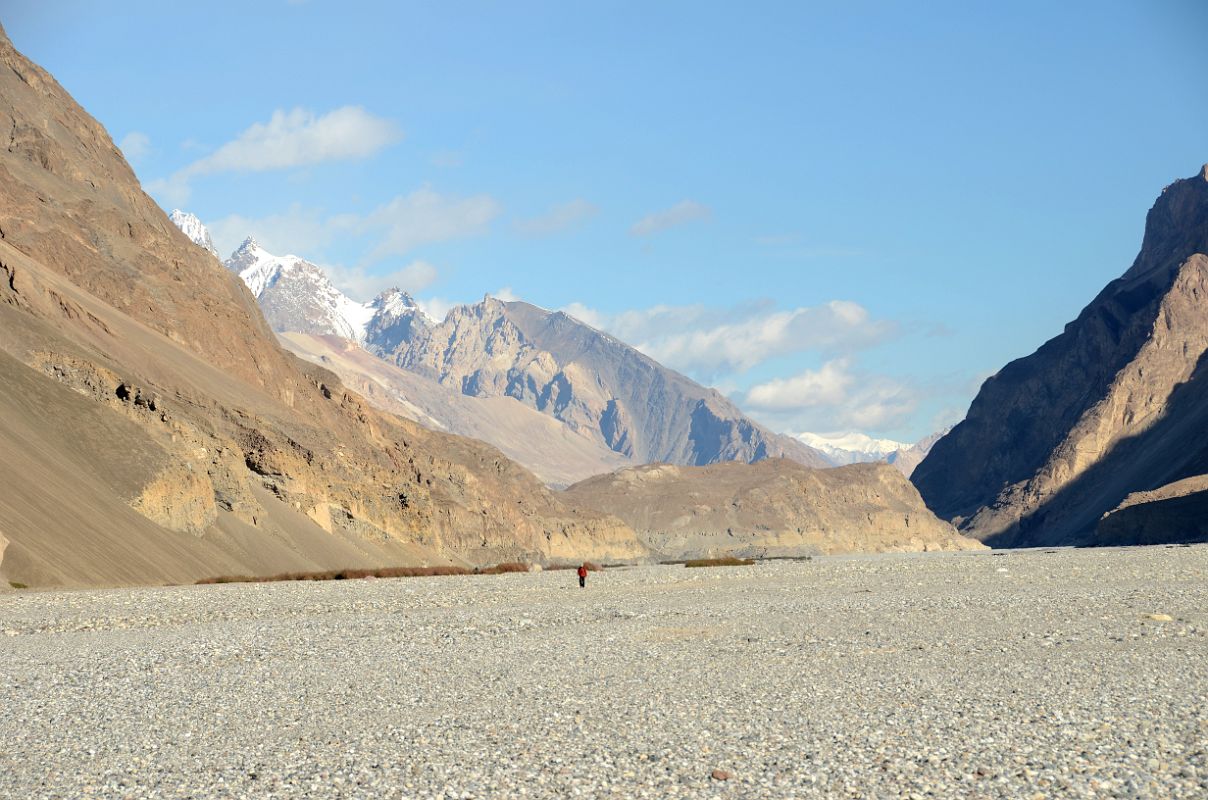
729 561
499 569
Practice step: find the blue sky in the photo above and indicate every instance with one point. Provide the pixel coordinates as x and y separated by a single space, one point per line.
844 215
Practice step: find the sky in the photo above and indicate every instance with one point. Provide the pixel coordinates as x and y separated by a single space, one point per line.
845 216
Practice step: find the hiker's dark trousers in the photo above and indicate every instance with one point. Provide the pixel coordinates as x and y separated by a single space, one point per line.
582 582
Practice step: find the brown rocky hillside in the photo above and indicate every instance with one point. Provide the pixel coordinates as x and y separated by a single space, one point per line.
152 430
775 507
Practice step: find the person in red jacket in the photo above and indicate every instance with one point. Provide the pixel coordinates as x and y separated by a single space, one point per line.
582 576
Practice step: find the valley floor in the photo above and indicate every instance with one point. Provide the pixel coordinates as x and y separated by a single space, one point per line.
1018 674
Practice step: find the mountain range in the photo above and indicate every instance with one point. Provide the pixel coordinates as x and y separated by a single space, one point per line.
618 406
155 429
860 448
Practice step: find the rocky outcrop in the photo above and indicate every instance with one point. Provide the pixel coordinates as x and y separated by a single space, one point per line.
1112 406
773 508
152 430
1176 512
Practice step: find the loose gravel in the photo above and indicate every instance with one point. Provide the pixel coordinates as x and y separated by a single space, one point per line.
979 675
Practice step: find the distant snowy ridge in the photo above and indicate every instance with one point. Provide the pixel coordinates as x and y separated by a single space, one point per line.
852 448
191 226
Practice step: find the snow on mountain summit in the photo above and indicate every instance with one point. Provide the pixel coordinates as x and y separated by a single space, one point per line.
192 227
850 448
296 295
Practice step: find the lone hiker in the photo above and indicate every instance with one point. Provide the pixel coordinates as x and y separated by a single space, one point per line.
582 576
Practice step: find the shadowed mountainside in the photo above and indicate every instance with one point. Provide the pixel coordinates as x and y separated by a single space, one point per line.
1111 407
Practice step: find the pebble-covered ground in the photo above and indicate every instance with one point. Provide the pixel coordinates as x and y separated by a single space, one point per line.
1016 675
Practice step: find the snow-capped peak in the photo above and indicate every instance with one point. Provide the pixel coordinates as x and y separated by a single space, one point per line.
851 447
192 227
395 303
298 296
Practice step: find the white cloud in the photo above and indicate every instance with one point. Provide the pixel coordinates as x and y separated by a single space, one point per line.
833 397
708 342
505 294
679 214
558 218
436 308
822 387
296 138
362 284
298 230
300 138
424 217
135 145
394 228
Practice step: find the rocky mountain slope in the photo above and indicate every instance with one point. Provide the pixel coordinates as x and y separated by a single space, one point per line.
908 457
588 380
773 508
296 295
1103 416
152 429
557 453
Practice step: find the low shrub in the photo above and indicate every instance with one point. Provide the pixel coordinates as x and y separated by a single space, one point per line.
499 569
361 573
729 561
18 585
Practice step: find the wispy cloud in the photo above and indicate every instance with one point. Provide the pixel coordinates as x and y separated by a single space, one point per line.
425 216
135 146
295 138
362 284
435 307
297 230
709 342
833 397
681 213
558 218
394 228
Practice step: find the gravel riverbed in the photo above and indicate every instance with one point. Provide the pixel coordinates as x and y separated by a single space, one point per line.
977 675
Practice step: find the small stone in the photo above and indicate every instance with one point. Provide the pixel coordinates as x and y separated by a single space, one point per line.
721 775
1160 617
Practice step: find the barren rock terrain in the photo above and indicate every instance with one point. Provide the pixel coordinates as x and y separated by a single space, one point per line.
775 507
